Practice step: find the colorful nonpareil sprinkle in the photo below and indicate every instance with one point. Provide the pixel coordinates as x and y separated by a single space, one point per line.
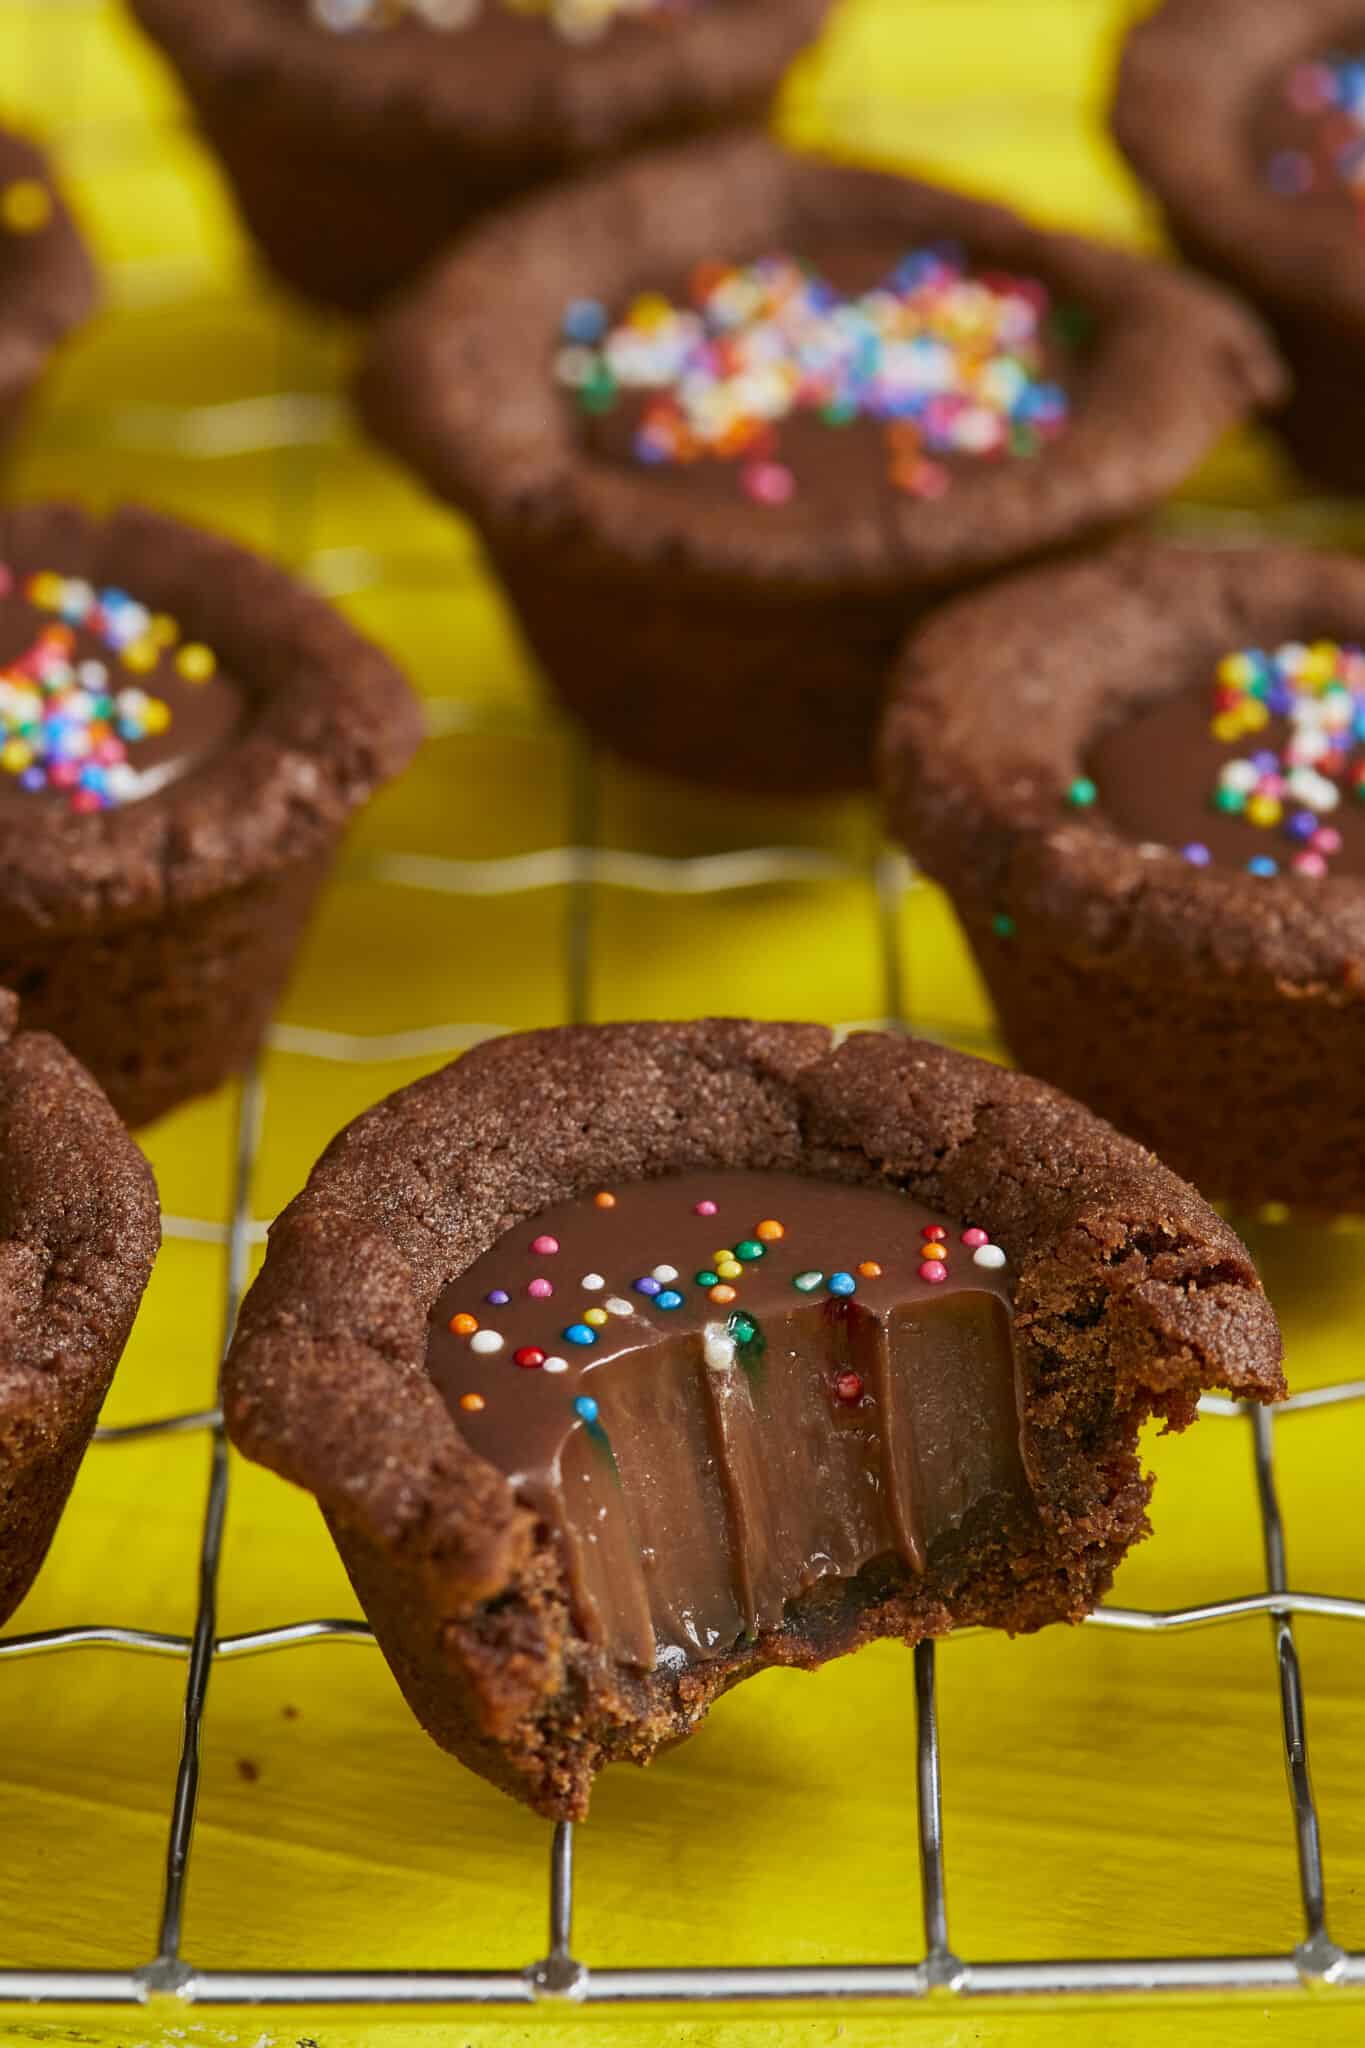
1289 789
577 21
952 363
67 721
1329 94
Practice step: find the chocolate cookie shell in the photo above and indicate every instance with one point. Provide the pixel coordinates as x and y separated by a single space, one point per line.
1215 1014
47 281
700 633
1129 1297
1194 86
356 158
79 1230
153 937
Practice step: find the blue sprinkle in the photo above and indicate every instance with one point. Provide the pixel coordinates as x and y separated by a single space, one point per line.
670 1298
585 320
586 1407
1262 864
581 1333
648 1286
499 1297
842 1283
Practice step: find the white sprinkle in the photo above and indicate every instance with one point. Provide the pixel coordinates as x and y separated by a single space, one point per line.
593 1282
485 1340
665 1274
617 1306
989 1255
719 1348
555 1365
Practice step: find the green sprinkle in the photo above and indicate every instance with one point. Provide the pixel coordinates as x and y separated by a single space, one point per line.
707 1279
597 393
1023 441
1082 793
841 413
1004 927
749 1248
808 1282
1229 800
743 1329
1072 323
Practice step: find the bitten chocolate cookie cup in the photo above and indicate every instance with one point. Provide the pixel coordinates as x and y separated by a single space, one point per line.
1242 117
829 397
1139 779
79 1230
358 150
184 734
47 281
824 1424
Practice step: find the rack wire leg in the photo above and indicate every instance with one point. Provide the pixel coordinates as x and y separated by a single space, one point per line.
943 1970
168 1973
1317 1957
559 1975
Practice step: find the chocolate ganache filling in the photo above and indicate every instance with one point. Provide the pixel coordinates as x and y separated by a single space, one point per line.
720 1389
102 701
1262 768
852 369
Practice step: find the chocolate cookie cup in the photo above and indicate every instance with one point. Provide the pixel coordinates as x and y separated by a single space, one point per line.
717 585
184 734
870 1428
79 1230
1245 122
47 281
358 150
1139 779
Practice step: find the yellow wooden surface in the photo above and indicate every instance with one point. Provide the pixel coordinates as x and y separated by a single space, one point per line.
1105 1794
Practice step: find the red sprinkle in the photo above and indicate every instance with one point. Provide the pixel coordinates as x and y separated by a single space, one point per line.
529 1356
933 1231
849 1388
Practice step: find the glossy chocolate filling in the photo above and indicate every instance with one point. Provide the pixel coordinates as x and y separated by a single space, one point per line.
704 1461
127 716
845 466
1156 776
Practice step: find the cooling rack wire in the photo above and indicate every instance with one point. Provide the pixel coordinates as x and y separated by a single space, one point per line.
203 390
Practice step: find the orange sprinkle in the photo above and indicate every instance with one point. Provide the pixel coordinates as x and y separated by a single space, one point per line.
932 1251
604 1200
463 1325
473 1402
869 1270
769 1231
722 1293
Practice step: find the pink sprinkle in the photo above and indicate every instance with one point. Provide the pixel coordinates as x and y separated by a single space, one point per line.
930 480
1309 864
1311 88
1326 839
704 1209
545 1245
935 1271
768 483
540 1290
974 1238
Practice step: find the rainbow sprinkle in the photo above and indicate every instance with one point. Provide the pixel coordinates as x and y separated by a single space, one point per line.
1331 94
952 363
1292 788
67 722
576 21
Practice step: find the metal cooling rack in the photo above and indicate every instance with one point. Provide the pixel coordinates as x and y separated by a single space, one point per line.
299 426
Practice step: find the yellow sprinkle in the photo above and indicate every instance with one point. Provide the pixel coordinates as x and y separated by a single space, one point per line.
1254 715
728 1269
44 590
196 664
1227 726
25 206
1235 669
1264 810
724 1253
164 630
651 309
595 1316
15 756
157 716
141 656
